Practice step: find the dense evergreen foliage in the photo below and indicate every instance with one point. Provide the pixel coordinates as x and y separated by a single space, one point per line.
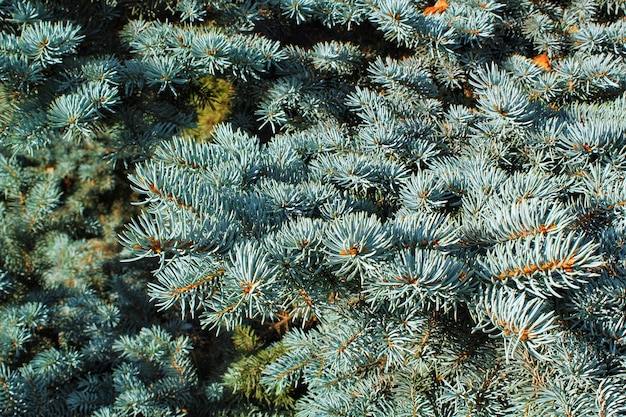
414 208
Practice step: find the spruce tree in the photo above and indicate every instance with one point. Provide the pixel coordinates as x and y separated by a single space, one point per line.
415 207
424 202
